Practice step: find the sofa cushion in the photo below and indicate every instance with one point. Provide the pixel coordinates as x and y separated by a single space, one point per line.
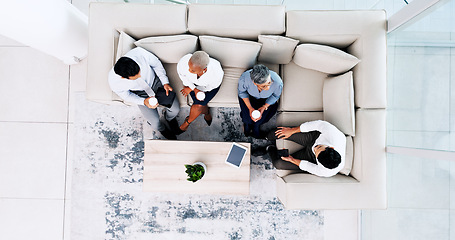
169 49
175 82
236 21
302 89
276 49
125 43
227 95
349 156
338 102
324 58
293 119
231 52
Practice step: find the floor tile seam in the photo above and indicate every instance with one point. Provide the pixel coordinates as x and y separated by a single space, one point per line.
32 198
414 208
65 187
34 122
8 46
393 130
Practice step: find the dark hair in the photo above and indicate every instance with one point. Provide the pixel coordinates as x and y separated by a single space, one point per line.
329 158
126 67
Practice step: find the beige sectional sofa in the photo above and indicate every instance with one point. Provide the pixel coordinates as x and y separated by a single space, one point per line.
337 73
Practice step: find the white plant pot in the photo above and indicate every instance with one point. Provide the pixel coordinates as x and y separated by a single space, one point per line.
204 166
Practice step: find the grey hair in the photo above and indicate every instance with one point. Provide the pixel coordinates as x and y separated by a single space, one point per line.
200 59
260 74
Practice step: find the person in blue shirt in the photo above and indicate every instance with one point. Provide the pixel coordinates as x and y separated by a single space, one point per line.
259 89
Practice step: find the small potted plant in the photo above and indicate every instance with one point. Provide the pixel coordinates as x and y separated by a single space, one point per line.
196 171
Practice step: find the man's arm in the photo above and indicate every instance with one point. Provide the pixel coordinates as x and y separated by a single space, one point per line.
157 66
311 126
312 168
316 169
277 93
285 132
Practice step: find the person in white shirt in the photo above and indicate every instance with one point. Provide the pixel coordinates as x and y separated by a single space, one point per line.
136 77
323 153
201 76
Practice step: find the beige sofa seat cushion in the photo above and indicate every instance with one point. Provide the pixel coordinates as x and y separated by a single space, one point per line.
236 21
138 20
293 119
227 95
302 89
175 82
231 52
324 58
276 49
169 49
363 34
338 102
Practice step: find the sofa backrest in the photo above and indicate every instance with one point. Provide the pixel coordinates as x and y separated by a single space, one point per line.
106 19
236 21
360 33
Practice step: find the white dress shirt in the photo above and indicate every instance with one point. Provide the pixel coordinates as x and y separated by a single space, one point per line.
210 80
149 65
330 136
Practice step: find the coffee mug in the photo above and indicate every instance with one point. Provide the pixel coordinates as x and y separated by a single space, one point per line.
153 101
256 114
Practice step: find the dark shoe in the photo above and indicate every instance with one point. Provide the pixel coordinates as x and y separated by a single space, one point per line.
209 122
175 127
183 129
168 134
273 152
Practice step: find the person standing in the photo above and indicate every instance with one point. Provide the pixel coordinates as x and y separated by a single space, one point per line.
136 78
201 76
259 89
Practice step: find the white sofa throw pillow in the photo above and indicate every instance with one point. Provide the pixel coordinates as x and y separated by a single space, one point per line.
125 44
276 49
324 58
338 102
169 49
231 52
349 156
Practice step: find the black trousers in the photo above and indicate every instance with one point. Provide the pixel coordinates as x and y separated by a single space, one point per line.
249 124
306 140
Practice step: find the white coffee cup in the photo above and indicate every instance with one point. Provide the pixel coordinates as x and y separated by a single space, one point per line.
200 96
256 114
153 101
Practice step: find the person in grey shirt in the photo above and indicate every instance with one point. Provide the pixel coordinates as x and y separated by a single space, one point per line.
259 89
136 77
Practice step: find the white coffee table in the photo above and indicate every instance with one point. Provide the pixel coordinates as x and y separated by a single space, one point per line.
164 168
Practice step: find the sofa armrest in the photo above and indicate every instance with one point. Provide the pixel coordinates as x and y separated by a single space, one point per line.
138 20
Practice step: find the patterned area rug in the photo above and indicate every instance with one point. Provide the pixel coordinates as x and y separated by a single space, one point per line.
107 201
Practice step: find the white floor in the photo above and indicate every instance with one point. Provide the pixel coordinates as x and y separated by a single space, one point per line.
36 149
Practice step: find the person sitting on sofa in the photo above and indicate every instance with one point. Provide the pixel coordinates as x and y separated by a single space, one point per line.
136 78
323 152
201 76
259 89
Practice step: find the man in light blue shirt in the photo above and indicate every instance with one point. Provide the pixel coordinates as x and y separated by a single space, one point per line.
136 78
259 89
